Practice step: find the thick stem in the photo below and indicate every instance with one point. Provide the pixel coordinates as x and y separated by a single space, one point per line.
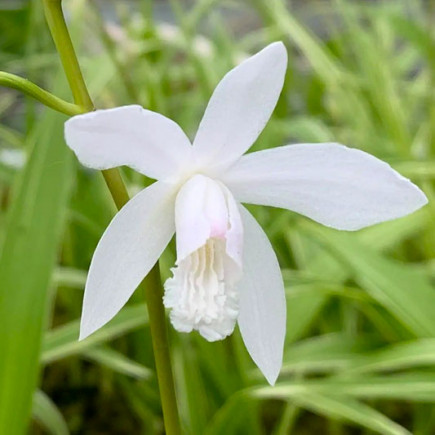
151 284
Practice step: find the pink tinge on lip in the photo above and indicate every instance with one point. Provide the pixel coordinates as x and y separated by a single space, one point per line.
218 230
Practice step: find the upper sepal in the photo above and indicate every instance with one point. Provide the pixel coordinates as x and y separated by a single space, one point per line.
240 107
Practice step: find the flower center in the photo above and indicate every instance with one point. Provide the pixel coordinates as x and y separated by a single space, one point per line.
202 292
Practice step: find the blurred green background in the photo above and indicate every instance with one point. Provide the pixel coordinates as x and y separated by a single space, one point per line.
360 346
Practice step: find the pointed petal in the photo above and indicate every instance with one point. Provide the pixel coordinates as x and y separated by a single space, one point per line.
340 187
240 106
262 317
129 248
130 135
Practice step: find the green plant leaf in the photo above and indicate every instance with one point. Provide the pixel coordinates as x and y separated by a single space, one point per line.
63 341
414 386
325 353
29 252
46 413
405 292
417 353
117 362
343 408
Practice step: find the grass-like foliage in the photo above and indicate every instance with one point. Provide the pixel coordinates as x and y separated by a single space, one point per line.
360 347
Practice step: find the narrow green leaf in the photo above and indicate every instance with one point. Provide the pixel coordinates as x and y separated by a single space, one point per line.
399 356
48 415
302 309
388 235
231 418
117 362
63 341
417 169
29 252
343 408
69 277
406 293
416 387
330 352
191 387
322 61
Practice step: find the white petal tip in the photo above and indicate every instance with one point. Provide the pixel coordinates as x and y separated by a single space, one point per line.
272 376
278 48
279 45
416 199
423 200
85 332
90 324
270 367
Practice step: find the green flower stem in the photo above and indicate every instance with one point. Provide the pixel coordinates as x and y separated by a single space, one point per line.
151 284
15 82
116 185
59 31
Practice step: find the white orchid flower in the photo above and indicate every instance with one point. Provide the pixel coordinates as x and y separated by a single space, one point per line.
226 269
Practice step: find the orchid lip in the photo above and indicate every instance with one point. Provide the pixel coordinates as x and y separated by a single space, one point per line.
202 294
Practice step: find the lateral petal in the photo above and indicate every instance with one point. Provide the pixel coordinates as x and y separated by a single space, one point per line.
339 187
130 135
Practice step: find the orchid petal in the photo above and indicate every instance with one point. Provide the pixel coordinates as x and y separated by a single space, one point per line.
127 251
240 107
146 141
206 209
340 187
262 317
